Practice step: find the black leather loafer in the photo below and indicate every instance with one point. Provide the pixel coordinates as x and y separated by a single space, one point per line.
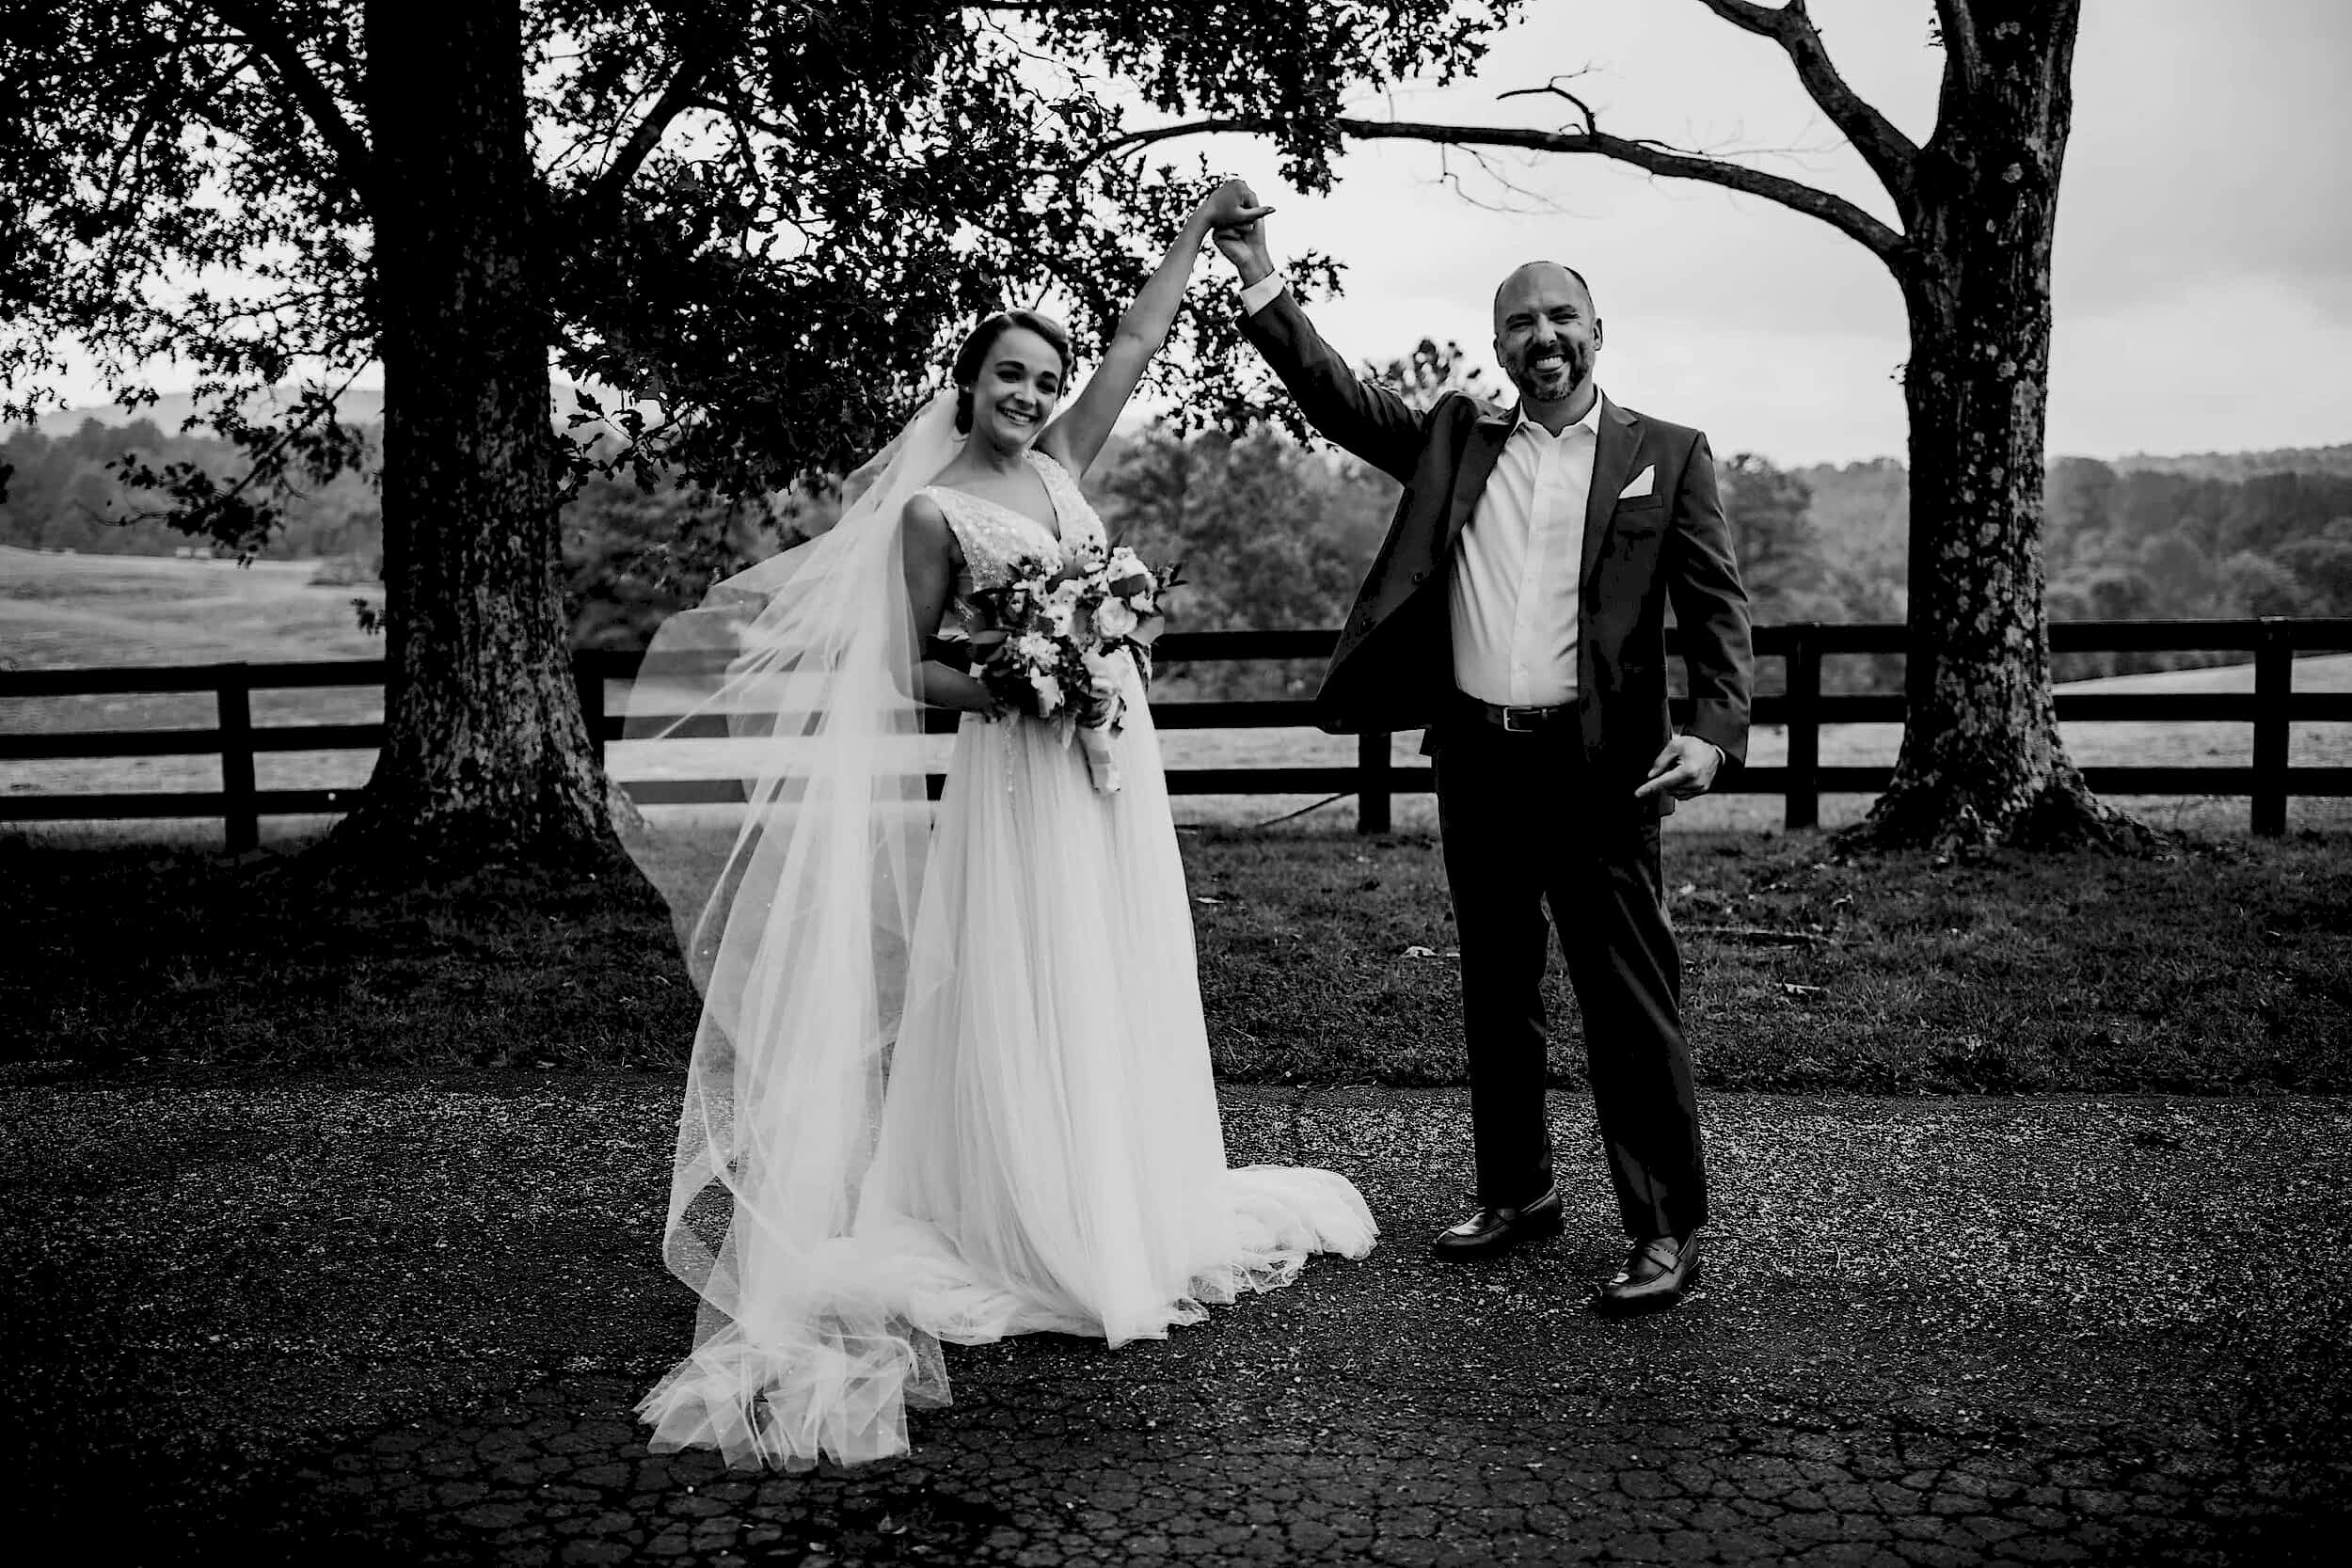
1658 1272
1493 1231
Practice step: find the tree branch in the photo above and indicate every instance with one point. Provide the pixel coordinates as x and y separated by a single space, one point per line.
683 92
271 42
1841 215
1963 52
1888 151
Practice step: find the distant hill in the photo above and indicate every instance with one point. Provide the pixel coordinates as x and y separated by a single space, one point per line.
358 407
361 406
1875 478
2242 465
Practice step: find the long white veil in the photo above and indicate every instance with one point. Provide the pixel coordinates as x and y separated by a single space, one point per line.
793 683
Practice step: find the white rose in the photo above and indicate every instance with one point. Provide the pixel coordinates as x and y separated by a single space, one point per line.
1113 619
1035 648
1048 689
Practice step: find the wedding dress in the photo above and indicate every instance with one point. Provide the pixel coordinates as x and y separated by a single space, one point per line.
986 1108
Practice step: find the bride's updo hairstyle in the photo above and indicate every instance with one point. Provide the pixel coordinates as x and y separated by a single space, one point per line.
973 354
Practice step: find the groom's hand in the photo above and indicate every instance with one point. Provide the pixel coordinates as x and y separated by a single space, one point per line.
1684 770
1242 240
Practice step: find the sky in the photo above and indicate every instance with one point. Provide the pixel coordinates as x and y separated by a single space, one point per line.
2203 271
2204 266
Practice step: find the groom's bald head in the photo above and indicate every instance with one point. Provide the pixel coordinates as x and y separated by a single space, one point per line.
1528 273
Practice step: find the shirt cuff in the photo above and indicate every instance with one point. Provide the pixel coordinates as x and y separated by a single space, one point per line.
1260 295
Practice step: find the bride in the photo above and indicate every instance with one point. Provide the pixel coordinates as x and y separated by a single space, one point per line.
951 1080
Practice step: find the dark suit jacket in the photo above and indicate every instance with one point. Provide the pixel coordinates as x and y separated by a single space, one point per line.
1394 668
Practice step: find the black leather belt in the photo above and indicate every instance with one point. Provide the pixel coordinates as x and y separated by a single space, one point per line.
1514 721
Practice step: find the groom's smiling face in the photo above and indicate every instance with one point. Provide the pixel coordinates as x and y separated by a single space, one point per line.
1547 334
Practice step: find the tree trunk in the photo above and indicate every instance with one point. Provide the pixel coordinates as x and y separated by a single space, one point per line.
486 756
1982 763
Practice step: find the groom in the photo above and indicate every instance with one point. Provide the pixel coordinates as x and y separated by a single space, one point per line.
1516 611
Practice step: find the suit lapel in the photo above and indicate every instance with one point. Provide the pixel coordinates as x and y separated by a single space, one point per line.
1619 436
1479 454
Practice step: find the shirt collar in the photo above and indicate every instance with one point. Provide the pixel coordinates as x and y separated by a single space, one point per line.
1590 423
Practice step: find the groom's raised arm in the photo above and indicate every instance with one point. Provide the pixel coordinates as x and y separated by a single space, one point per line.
1367 419
1364 417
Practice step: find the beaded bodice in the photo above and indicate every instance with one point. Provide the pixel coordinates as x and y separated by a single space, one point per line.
997 542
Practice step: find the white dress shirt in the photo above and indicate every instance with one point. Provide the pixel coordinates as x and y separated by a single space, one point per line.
1258 296
1512 596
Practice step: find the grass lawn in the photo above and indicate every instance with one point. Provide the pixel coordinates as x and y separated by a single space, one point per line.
1324 957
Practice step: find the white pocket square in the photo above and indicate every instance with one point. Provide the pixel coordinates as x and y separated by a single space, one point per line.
1642 483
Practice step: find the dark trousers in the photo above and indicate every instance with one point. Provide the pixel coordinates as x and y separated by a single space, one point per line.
1525 823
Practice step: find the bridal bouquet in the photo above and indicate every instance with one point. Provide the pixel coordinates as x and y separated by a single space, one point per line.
1052 644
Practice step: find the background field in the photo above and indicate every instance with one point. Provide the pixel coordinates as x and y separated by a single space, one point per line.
63 611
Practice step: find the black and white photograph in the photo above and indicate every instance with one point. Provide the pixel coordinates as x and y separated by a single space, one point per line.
1068 782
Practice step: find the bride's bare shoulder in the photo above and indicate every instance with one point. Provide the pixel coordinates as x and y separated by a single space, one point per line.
926 529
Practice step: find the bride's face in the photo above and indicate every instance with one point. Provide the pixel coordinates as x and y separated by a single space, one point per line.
1020 385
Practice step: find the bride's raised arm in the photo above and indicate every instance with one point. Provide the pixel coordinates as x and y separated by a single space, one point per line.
1074 438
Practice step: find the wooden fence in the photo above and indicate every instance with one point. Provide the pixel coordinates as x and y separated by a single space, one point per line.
1802 706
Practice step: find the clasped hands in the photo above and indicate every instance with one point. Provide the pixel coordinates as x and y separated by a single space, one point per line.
1233 214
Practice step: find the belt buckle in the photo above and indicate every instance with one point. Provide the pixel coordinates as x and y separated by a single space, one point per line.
1510 724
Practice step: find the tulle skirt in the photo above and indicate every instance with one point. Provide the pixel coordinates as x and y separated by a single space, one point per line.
1049 1155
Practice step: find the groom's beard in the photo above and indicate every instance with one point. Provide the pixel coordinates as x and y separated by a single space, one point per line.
1575 372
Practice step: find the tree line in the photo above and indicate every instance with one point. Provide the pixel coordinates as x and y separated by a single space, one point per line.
71 492
1272 533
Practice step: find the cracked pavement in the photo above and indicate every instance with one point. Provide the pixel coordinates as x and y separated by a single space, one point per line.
403 1319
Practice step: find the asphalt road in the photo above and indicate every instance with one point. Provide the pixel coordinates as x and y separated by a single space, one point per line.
404 1321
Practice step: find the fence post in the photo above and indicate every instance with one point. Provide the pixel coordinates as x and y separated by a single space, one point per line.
240 813
589 674
2274 679
1371 783
1803 665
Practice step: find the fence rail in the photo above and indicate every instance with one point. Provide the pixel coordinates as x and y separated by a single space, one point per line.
2273 707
